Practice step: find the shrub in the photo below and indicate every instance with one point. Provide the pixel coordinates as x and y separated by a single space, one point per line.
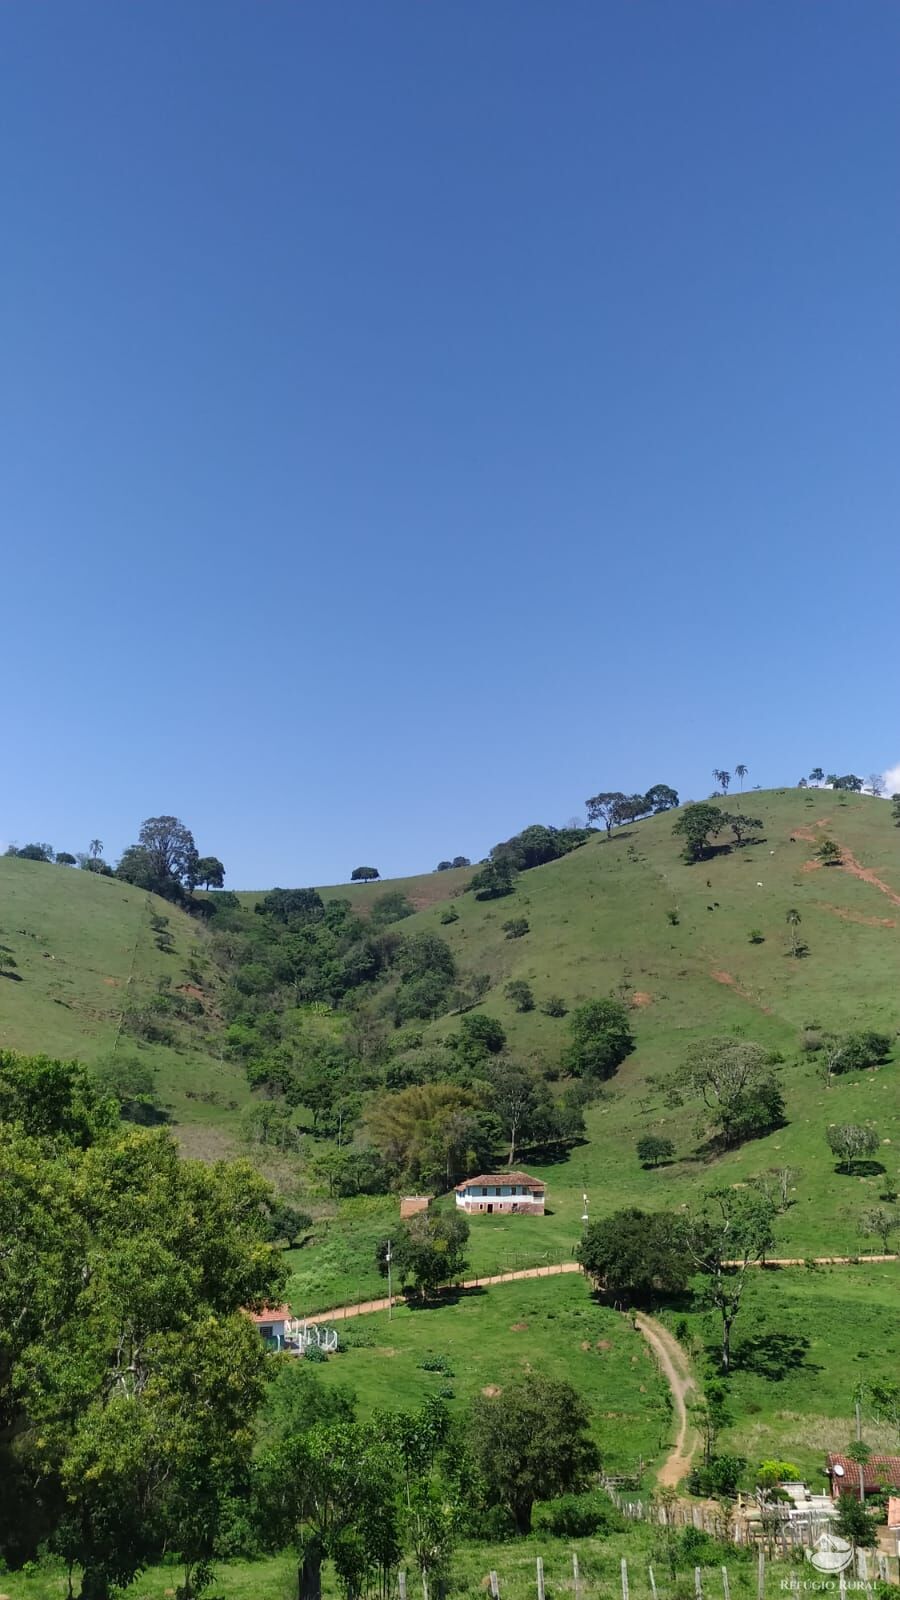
520 994
449 914
516 927
577 1516
314 1352
718 1476
673 917
811 1040
756 936
554 1006
436 1364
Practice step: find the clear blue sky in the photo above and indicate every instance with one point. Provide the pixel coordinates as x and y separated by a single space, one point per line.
416 415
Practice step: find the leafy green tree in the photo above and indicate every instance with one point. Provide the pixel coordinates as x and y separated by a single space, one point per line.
637 1254
817 776
287 1223
742 827
429 1251
291 907
514 1097
170 848
895 809
210 872
855 1523
554 1006
538 844
607 807
331 1492
64 858
8 963
661 798
479 1036
652 1149
722 778
520 993
737 1085
793 920
364 874
494 880
852 1142
134 866
695 826
530 1443
882 1221
35 852
849 782
425 1132
132 1084
601 1038
740 772
829 853
733 1232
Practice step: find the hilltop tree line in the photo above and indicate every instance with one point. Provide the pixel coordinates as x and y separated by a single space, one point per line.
165 860
140 1416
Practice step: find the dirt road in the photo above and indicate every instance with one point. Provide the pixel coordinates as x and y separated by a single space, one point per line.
676 1370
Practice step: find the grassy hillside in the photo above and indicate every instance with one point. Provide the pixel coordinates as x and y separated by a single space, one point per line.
88 949
599 924
423 890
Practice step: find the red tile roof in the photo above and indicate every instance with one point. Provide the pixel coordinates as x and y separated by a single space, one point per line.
271 1314
502 1178
879 1472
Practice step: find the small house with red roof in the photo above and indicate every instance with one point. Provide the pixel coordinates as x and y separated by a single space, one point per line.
501 1191
880 1474
272 1323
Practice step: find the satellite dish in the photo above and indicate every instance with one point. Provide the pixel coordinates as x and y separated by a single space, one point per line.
838 1470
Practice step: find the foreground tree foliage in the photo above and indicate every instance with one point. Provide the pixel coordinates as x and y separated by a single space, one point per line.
128 1377
531 1443
601 1038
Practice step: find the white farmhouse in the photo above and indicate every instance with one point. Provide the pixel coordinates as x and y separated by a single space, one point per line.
502 1191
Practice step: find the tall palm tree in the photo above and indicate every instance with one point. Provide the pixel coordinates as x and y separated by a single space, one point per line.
793 920
740 771
722 778
96 848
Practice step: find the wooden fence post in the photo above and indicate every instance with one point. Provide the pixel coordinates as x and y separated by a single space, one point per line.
495 1586
761 1574
726 1588
401 1584
624 1579
698 1583
575 1573
540 1578
652 1583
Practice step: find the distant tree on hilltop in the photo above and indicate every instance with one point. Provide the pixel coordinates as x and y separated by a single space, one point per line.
210 872
817 776
64 858
697 823
741 771
722 778
364 874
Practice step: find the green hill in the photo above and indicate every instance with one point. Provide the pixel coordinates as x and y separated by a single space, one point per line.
622 916
99 966
599 924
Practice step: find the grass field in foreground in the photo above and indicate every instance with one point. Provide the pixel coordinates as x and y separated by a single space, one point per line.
488 1336
599 1573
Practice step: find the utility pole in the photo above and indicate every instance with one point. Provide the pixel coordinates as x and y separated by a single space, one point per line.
387 1257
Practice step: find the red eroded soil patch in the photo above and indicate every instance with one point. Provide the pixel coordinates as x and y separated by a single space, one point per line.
720 976
113 983
857 870
640 998
191 989
810 866
858 916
